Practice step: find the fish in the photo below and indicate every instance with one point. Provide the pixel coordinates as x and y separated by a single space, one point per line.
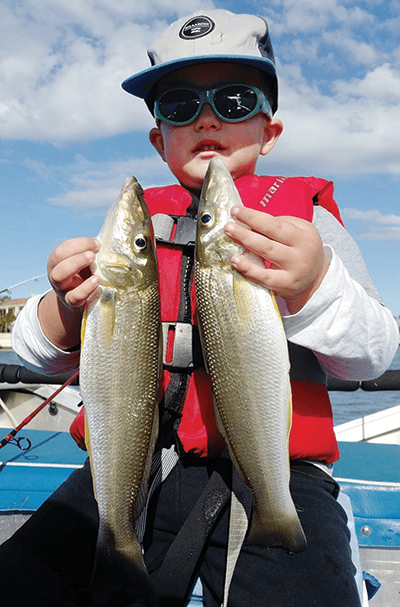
247 358
119 376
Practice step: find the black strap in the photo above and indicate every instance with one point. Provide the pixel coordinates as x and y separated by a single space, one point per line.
304 365
176 576
186 550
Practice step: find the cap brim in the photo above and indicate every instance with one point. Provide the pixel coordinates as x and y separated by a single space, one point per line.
140 84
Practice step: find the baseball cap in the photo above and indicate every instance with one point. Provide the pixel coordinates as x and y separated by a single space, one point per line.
216 36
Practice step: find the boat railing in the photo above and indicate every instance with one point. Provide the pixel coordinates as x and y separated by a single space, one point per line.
390 380
14 374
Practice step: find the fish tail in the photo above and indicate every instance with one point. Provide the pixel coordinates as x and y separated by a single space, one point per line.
120 577
288 534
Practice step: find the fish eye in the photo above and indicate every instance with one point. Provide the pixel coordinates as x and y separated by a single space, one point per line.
206 219
140 242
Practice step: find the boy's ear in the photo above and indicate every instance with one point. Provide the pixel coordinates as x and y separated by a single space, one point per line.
156 139
272 131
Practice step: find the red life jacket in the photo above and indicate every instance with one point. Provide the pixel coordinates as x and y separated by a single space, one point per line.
312 435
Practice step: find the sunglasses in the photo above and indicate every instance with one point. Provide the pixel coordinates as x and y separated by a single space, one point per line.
231 103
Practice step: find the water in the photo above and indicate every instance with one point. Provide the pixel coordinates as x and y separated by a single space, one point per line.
8 357
346 405
350 405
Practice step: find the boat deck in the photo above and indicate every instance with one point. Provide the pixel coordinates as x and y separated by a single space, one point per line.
370 475
29 477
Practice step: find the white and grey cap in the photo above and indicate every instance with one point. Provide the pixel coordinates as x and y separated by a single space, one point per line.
204 37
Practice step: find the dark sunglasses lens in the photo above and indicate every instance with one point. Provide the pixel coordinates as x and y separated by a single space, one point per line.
235 102
178 106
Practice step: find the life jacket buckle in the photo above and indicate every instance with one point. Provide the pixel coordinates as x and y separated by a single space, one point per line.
178 230
186 352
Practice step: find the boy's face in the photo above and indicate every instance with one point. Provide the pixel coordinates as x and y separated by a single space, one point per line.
188 149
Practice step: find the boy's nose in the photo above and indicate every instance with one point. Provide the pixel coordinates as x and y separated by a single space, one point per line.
207 120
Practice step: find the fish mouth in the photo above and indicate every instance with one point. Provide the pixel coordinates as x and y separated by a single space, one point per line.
208 145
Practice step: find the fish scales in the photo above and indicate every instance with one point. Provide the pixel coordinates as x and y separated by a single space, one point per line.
231 350
247 358
120 365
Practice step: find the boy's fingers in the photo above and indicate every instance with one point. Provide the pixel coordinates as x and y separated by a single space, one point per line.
72 247
259 244
285 230
78 297
275 280
64 273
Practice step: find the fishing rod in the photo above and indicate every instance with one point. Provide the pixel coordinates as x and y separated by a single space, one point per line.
8 289
26 421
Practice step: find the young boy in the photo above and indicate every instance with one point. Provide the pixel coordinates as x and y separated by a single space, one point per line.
212 88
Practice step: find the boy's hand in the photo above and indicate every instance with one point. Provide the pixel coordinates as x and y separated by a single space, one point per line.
293 247
60 311
69 271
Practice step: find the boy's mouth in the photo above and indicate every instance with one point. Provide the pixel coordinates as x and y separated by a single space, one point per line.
208 146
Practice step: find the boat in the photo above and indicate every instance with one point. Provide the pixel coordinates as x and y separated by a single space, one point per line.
35 461
369 476
42 455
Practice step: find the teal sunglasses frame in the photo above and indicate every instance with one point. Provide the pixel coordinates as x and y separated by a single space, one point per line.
207 96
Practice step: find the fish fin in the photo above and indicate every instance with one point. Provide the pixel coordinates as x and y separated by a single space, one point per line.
275 304
108 309
243 299
288 534
87 443
203 349
83 325
160 354
289 412
143 491
242 293
120 576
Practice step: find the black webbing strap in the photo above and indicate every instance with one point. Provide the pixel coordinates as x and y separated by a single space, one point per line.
304 365
176 576
179 570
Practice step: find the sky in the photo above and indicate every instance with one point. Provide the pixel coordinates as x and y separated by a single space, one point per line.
69 135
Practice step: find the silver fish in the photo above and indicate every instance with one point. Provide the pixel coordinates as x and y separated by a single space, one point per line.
119 372
247 358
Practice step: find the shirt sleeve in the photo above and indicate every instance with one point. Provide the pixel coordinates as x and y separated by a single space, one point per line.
353 335
33 348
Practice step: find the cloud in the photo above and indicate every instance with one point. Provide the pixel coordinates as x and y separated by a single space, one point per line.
339 79
378 225
93 186
353 131
339 76
310 16
63 82
381 85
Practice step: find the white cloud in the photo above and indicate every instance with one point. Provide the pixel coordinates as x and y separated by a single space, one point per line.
372 216
358 51
355 130
378 226
313 16
382 85
92 186
63 82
